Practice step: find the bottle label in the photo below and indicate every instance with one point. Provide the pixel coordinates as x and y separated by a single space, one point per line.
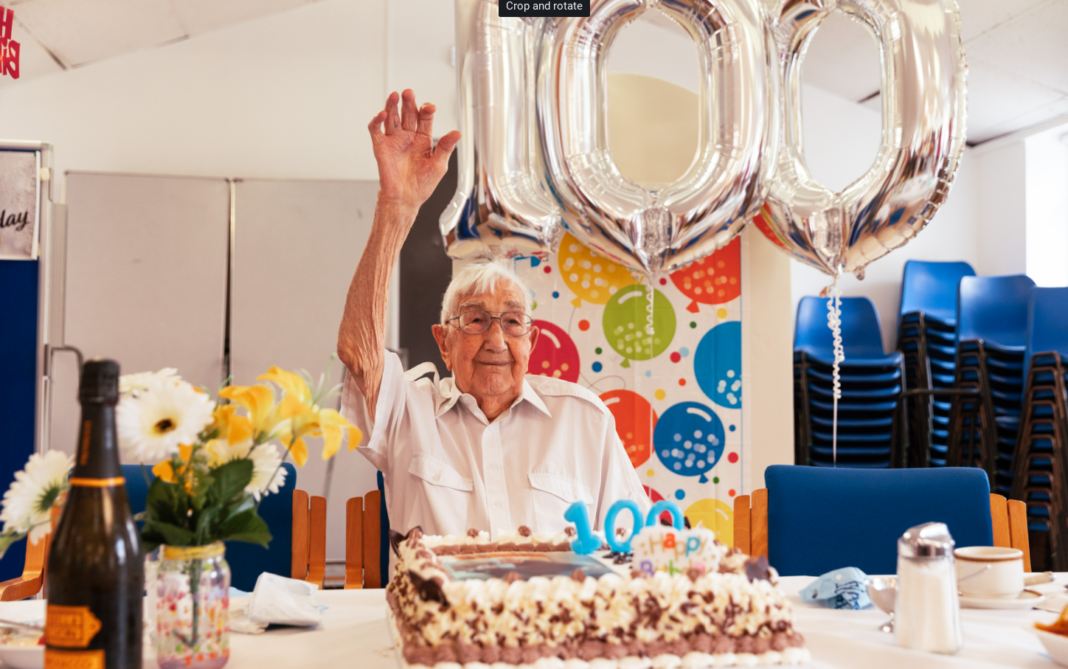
73 659
71 627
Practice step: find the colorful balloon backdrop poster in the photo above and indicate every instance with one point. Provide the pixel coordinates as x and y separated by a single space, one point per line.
675 388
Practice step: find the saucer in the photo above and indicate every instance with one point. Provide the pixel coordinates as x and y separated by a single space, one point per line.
1026 600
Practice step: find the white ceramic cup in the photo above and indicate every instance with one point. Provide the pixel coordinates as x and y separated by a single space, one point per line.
989 572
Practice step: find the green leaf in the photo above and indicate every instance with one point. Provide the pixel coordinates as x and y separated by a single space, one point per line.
237 506
172 534
204 525
230 479
162 503
246 526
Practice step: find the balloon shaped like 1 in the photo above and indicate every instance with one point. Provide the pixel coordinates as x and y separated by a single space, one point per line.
658 232
500 208
586 542
923 93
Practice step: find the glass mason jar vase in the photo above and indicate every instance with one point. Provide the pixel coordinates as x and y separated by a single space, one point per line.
193 607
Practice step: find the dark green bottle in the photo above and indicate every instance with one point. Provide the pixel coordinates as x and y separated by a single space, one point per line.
95 578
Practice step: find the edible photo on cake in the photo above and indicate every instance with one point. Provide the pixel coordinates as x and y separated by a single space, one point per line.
528 565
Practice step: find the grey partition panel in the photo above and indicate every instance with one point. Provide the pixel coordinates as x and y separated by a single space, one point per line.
296 246
145 280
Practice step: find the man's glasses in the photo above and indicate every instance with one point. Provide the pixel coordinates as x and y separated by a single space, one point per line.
514 323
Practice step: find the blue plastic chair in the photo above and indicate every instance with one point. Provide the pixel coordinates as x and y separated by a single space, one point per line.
1047 325
931 288
247 561
994 309
861 337
822 519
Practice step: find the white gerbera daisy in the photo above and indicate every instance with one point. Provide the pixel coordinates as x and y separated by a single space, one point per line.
267 474
155 421
132 384
27 505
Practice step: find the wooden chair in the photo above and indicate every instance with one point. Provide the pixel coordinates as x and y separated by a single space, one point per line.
33 572
309 538
1008 520
363 541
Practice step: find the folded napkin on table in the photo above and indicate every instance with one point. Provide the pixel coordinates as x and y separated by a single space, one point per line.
845 588
276 600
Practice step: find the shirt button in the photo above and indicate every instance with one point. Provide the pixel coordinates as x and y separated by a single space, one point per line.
498 504
437 477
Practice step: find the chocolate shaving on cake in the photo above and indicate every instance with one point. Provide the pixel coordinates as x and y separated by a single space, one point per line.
637 573
693 573
429 589
570 531
512 577
578 575
524 531
473 533
395 538
756 569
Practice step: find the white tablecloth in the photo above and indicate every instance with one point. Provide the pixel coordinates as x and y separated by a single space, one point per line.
354 634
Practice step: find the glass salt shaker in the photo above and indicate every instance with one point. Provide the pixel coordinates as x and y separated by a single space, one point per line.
926 607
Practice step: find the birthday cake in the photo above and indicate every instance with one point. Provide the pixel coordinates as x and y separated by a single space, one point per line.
677 598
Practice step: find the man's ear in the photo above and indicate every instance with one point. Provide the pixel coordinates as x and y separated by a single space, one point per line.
534 332
441 335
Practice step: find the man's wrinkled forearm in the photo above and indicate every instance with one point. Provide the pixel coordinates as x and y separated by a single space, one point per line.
361 337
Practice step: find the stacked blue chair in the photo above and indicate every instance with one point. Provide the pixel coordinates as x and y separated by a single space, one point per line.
1039 466
868 421
927 338
991 341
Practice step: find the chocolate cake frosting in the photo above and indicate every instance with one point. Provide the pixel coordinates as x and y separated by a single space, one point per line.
725 614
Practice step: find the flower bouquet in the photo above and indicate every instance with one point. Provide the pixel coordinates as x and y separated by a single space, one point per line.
214 464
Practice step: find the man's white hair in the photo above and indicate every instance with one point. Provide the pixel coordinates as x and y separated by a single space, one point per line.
480 280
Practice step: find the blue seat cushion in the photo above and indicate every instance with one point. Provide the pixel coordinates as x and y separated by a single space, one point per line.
822 519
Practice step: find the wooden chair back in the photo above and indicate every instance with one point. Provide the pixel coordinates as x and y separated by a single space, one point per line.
34 568
309 538
363 541
1008 519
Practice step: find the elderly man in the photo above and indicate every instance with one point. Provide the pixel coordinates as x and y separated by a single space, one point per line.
489 448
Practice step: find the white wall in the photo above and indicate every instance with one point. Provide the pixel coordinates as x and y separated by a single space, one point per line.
1047 207
285 96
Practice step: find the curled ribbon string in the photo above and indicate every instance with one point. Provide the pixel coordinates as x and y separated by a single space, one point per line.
834 321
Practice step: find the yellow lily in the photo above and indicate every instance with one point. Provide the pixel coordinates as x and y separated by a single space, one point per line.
293 384
310 420
259 401
165 470
332 426
233 428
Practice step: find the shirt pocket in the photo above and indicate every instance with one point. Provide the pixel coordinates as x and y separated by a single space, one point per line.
446 495
552 494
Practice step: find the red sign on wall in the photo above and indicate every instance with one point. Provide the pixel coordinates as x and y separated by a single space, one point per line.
9 48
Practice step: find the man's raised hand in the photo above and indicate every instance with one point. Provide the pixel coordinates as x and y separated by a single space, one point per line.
409 166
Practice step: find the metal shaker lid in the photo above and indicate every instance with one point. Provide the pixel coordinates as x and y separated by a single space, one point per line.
929 540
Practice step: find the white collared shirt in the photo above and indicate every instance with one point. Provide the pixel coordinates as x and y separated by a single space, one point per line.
448 469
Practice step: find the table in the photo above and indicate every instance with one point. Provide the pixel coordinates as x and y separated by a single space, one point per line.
354 633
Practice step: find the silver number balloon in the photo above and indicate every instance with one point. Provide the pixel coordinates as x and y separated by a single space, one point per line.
501 207
924 109
660 231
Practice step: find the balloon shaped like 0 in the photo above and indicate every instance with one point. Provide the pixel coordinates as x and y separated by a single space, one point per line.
924 109
501 208
658 232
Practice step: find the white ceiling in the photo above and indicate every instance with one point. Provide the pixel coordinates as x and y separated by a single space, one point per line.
1017 49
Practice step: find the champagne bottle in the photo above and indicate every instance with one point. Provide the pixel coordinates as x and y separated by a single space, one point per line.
95 576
